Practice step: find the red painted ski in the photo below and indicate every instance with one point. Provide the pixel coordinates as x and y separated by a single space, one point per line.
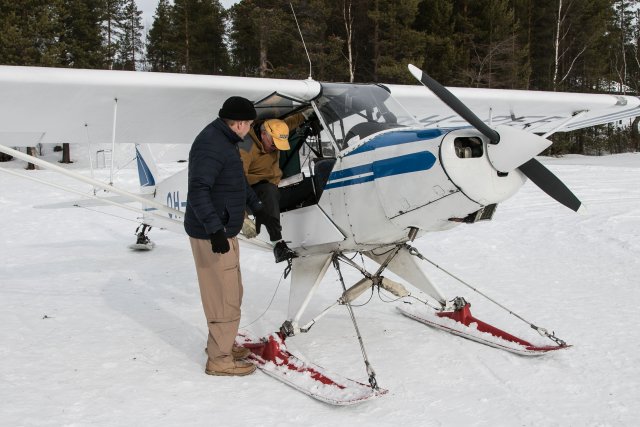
270 354
461 322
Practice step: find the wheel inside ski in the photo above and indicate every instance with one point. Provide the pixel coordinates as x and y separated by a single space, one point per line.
462 323
270 355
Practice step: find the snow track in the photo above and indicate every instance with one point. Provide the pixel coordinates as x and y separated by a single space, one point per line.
95 334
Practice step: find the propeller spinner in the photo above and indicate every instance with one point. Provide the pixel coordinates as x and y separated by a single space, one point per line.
509 148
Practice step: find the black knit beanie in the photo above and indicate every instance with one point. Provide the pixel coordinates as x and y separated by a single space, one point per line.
237 108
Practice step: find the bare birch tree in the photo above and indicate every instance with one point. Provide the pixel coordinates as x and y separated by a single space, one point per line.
623 39
348 26
560 41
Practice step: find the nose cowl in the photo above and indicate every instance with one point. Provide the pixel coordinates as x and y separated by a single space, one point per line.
515 148
464 158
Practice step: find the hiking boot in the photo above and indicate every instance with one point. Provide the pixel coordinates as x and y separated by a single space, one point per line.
237 352
240 352
226 366
282 252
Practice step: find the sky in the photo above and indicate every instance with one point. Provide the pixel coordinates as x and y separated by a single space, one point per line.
95 334
148 8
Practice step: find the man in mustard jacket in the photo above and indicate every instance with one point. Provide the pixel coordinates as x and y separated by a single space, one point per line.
262 169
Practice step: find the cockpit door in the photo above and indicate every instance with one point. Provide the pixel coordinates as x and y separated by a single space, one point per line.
277 105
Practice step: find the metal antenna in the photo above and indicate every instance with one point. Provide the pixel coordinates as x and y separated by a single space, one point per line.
302 38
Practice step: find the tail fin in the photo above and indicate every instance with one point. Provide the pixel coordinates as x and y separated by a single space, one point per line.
147 172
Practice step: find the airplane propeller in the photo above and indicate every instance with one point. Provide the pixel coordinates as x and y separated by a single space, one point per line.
509 148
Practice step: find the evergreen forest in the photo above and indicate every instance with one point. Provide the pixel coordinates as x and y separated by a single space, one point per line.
554 45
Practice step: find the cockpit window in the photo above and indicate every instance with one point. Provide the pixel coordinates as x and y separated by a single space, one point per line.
276 105
353 111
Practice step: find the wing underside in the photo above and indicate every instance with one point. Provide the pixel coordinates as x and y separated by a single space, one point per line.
52 105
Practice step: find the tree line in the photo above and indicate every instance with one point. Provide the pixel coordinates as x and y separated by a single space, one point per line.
555 45
102 34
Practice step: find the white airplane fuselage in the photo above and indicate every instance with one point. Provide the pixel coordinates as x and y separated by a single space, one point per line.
386 184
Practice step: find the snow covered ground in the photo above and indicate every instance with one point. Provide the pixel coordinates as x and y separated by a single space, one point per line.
95 334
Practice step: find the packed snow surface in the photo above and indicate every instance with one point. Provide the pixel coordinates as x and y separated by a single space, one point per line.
93 333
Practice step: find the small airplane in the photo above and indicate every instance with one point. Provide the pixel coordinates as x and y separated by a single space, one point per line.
372 168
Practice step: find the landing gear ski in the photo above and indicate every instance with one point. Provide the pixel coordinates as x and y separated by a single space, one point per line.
271 356
143 243
461 322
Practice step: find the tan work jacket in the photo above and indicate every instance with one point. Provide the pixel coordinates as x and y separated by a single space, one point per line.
261 166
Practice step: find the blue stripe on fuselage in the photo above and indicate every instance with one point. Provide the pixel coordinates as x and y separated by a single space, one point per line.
408 163
387 167
397 138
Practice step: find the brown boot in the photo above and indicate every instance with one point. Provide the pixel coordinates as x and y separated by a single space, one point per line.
226 366
240 352
237 352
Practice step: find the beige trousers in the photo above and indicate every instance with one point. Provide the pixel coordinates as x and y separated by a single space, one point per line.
221 292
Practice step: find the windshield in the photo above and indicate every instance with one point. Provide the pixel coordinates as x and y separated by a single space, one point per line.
353 111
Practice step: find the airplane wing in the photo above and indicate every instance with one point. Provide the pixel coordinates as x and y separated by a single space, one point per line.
55 105
535 111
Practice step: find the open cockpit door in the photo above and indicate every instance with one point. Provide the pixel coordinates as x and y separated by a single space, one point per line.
307 164
277 105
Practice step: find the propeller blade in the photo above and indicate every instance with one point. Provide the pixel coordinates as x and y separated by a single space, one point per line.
550 184
454 103
516 151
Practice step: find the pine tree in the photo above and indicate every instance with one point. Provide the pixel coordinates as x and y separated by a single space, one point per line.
634 53
395 41
199 31
112 28
243 39
622 35
495 58
324 46
28 32
130 44
362 41
209 53
260 35
161 53
440 55
79 39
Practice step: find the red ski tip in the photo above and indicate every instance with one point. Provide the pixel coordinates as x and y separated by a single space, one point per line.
464 316
462 323
271 356
273 350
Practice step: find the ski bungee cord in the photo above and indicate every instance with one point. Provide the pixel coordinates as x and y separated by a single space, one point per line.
269 305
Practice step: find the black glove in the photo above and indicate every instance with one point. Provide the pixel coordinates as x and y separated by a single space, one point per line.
219 242
273 224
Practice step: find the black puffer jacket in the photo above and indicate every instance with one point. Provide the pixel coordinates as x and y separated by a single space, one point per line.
218 190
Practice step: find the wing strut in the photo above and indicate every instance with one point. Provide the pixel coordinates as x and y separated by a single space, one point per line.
113 138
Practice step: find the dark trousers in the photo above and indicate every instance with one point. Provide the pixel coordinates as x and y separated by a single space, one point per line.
270 197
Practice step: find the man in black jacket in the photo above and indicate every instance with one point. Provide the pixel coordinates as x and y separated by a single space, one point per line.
216 201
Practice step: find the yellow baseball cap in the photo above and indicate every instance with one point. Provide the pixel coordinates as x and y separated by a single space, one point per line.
279 131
